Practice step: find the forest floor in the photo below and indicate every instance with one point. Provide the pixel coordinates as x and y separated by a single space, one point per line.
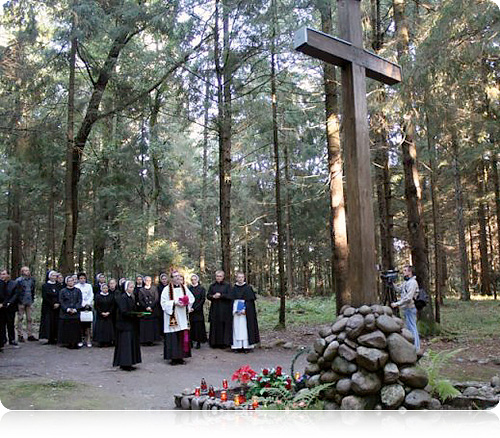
37 376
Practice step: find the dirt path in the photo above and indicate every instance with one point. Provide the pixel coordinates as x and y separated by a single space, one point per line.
151 386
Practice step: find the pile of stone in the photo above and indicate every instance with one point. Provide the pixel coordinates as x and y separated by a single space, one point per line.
187 400
370 357
475 395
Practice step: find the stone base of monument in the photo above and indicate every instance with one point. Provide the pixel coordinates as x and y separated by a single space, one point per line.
369 357
189 401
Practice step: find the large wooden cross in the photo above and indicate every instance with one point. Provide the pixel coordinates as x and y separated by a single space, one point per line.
356 64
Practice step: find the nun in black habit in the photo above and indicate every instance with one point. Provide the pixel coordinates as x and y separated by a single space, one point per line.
220 315
127 346
149 301
245 325
197 317
70 299
104 331
49 319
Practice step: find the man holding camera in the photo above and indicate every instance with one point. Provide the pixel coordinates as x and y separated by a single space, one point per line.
409 291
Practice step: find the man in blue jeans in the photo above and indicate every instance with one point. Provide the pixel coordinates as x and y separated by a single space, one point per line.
409 291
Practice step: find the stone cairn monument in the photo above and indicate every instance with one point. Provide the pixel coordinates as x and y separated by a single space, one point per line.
370 357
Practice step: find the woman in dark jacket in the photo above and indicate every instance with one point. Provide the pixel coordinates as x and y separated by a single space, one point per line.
70 299
104 332
149 301
49 319
197 317
127 346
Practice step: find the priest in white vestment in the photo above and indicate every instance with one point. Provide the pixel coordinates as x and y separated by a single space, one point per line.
176 302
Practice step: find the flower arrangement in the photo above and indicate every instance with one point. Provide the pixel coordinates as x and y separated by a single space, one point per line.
184 300
270 378
244 375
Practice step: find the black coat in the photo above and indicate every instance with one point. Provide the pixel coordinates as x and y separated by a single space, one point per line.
49 318
70 298
220 308
126 320
199 294
245 292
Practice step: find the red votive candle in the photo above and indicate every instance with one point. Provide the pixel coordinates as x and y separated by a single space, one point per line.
197 391
203 385
223 395
211 392
224 383
236 400
243 399
255 403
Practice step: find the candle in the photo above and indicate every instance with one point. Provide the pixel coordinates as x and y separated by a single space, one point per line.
224 383
243 399
203 385
236 400
297 375
223 395
197 391
255 402
211 392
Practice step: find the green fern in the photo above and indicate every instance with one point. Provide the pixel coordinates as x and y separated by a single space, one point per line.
280 398
432 365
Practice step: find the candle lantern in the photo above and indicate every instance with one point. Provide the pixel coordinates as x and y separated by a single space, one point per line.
243 399
211 392
197 391
297 375
203 386
224 383
223 395
255 402
236 400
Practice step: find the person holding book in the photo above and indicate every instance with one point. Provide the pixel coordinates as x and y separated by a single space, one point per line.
245 325
127 345
176 301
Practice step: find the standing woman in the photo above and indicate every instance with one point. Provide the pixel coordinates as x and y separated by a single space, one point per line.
149 302
245 326
139 283
104 306
196 317
60 281
127 346
87 308
49 319
100 279
176 301
161 286
70 299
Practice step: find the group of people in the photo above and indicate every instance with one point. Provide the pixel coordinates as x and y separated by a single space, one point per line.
128 314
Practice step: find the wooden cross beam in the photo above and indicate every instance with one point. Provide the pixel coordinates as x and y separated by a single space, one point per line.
356 64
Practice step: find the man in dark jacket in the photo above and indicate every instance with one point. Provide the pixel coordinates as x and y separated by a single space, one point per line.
220 315
10 306
26 297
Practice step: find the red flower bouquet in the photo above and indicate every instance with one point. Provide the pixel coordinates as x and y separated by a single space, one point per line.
244 375
184 300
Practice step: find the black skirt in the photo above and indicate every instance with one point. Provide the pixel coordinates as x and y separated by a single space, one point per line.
221 334
127 349
149 330
104 331
69 331
198 331
49 325
176 345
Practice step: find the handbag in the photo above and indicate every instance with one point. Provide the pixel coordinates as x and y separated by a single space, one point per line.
86 316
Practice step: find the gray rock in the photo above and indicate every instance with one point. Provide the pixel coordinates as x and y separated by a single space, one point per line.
343 386
377 308
391 373
351 343
341 336
400 350
387 324
312 357
347 353
331 351
330 339
414 377
355 325
417 399
372 359
370 322
177 399
321 363
353 403
329 377
277 343
392 396
330 394
342 366
408 335
434 404
339 325
345 306
195 404
319 346
186 403
331 406
495 381
387 310
399 321
288 345
364 310
364 383
312 369
325 332
313 381
349 311
375 339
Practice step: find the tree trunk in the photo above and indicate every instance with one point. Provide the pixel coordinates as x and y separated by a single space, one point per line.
483 242
496 189
338 230
203 201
